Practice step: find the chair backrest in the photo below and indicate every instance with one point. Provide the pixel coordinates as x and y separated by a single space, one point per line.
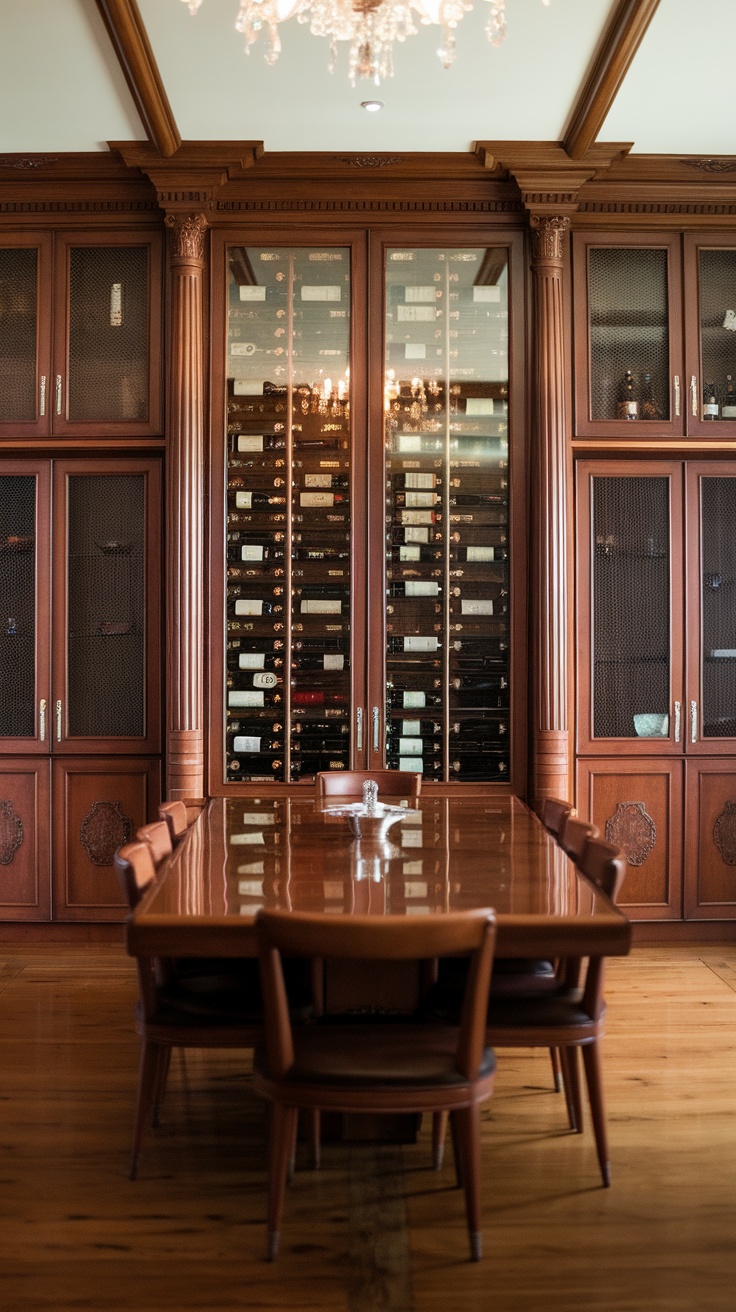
376 938
605 866
555 813
135 870
175 815
158 835
349 783
574 835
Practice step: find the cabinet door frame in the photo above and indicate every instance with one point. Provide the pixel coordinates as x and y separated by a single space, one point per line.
61 425
41 470
722 836
38 905
696 426
40 425
587 743
694 471
626 429
150 741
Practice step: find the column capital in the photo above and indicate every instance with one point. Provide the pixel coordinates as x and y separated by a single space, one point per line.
548 236
187 235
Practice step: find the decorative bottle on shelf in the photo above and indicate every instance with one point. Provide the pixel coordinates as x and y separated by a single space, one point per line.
649 407
728 409
710 402
627 405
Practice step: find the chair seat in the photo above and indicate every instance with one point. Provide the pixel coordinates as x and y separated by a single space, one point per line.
384 1057
562 1011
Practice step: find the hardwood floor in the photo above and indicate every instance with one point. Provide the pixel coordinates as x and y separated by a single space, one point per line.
376 1230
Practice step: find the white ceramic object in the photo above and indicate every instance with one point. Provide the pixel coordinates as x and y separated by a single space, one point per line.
649 725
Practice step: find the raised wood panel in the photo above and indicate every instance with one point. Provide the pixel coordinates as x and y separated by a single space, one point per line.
638 805
25 874
710 840
97 806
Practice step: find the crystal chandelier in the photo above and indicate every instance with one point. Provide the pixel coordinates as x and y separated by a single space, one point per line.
370 26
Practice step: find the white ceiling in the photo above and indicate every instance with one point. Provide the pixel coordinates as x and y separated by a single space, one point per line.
61 88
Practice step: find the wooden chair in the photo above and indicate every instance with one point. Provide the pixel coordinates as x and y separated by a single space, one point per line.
349 783
158 836
372 1066
574 835
174 1013
555 813
175 815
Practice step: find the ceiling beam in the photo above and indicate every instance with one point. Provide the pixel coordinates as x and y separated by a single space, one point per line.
130 41
620 41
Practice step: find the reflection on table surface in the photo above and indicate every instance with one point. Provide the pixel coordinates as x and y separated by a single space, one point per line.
443 854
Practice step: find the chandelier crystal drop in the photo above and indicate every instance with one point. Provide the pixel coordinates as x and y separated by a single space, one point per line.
369 26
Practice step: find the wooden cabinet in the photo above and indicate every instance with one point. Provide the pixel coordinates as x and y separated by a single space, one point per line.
655 336
79 668
368 554
80 334
657 675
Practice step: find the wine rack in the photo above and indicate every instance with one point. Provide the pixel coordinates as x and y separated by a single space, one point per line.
447 514
288 521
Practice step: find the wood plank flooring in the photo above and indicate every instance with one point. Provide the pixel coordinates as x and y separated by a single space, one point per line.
376 1230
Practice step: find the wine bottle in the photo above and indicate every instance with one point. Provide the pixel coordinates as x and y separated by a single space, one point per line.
406 746
478 499
240 698
710 402
331 661
316 697
413 699
252 605
241 744
253 660
324 728
416 500
245 679
254 500
479 767
263 766
315 763
491 647
257 441
414 588
480 555
416 728
255 552
324 482
627 405
320 553
420 481
492 683
649 407
414 642
317 744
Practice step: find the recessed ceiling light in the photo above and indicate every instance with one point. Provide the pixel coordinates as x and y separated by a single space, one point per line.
371 105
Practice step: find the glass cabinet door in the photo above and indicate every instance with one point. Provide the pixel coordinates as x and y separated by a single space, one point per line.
25 337
628 305
630 608
710 289
24 607
712 684
288 594
447 606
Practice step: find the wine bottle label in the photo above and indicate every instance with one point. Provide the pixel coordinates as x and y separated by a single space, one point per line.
628 409
251 660
250 887
321 293
251 552
413 838
415 764
479 405
318 480
241 745
266 680
410 442
419 481
476 607
412 728
421 589
710 409
417 499
477 554
333 661
410 553
410 746
253 868
728 411
421 644
245 699
316 498
253 839
416 517
248 293
416 535
249 606
328 607
415 313
250 442
259 818
414 701
243 500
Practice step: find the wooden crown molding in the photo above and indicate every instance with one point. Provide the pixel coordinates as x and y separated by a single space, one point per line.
619 43
192 178
549 181
129 38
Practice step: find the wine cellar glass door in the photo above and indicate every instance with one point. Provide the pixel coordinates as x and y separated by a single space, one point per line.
710 337
25 622
711 691
293 651
445 593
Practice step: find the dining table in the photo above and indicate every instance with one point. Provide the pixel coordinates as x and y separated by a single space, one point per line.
432 856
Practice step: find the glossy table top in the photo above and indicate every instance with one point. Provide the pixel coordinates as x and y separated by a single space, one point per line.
443 854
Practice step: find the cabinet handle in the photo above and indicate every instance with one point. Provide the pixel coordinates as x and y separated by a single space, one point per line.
693 722
42 395
58 394
359 728
694 395
58 722
678 709
376 716
676 381
42 720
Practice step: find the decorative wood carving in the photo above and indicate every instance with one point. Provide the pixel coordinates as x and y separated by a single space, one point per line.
724 833
27 161
372 161
104 829
187 235
711 165
548 236
130 42
620 41
11 833
633 830
365 205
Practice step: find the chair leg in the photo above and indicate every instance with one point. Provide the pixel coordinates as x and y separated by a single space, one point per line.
315 1137
468 1128
456 1150
571 1083
554 1054
292 1155
162 1072
147 1073
594 1079
283 1127
439 1133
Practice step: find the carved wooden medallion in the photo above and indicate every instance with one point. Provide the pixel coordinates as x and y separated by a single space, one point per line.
104 829
633 830
724 833
11 833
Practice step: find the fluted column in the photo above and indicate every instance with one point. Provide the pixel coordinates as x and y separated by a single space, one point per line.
185 767
550 774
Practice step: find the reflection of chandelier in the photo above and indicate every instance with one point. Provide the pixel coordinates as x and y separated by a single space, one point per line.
371 26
